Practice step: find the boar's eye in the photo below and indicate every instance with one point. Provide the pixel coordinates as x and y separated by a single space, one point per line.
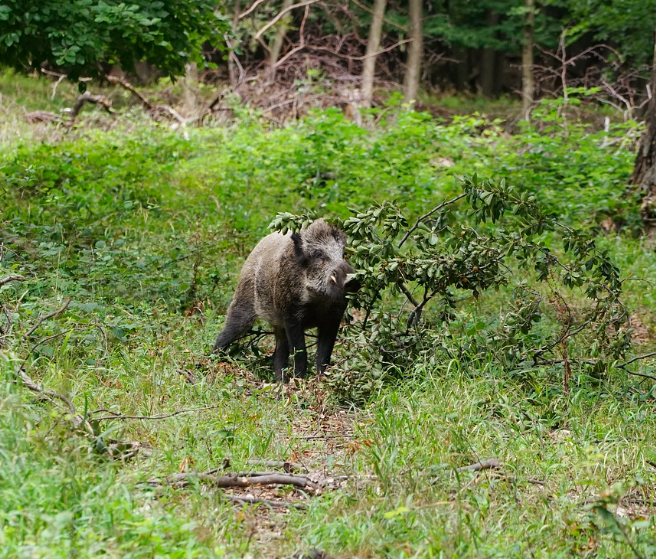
318 255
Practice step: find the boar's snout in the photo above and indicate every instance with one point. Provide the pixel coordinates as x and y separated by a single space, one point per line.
352 283
342 278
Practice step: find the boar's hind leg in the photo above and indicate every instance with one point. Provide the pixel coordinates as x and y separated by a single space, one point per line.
296 340
325 344
239 321
281 355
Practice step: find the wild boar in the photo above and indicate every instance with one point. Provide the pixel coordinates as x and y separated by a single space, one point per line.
295 282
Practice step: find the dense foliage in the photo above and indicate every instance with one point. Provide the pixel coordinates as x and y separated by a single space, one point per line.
83 38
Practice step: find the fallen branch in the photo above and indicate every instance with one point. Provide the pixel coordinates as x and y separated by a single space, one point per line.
128 86
115 449
76 419
35 117
643 375
152 108
49 338
86 97
46 317
248 500
184 479
3 281
287 467
490 464
116 415
324 436
638 358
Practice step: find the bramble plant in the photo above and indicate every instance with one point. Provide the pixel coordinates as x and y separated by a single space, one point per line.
441 257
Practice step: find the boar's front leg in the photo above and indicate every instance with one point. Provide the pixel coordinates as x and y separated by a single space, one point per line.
325 344
281 355
296 340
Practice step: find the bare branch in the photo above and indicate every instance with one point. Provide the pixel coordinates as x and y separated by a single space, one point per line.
251 9
86 97
301 34
289 467
360 58
126 85
46 317
643 375
248 500
48 338
76 419
3 281
428 214
152 108
388 21
183 480
282 14
407 293
490 464
638 358
160 416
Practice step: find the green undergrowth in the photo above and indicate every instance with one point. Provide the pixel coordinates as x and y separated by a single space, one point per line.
145 230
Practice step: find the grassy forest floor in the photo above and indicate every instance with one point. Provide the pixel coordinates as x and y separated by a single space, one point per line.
144 229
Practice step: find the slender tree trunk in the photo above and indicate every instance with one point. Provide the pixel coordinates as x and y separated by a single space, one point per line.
415 52
190 85
644 170
279 38
373 44
488 61
528 82
232 57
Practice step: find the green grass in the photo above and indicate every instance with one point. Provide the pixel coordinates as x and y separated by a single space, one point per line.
141 225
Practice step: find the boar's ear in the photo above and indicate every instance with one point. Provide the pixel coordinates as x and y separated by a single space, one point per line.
298 248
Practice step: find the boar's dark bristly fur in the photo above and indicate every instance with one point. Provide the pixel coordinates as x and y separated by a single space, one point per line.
295 282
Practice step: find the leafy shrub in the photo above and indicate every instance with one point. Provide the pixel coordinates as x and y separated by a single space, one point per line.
497 241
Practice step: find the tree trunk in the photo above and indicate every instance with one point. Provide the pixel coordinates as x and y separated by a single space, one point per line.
528 82
415 52
644 170
190 85
232 57
488 61
278 39
369 69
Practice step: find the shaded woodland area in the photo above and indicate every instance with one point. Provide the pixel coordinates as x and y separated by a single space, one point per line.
493 47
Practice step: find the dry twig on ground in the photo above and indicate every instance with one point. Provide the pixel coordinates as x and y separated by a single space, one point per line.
153 109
